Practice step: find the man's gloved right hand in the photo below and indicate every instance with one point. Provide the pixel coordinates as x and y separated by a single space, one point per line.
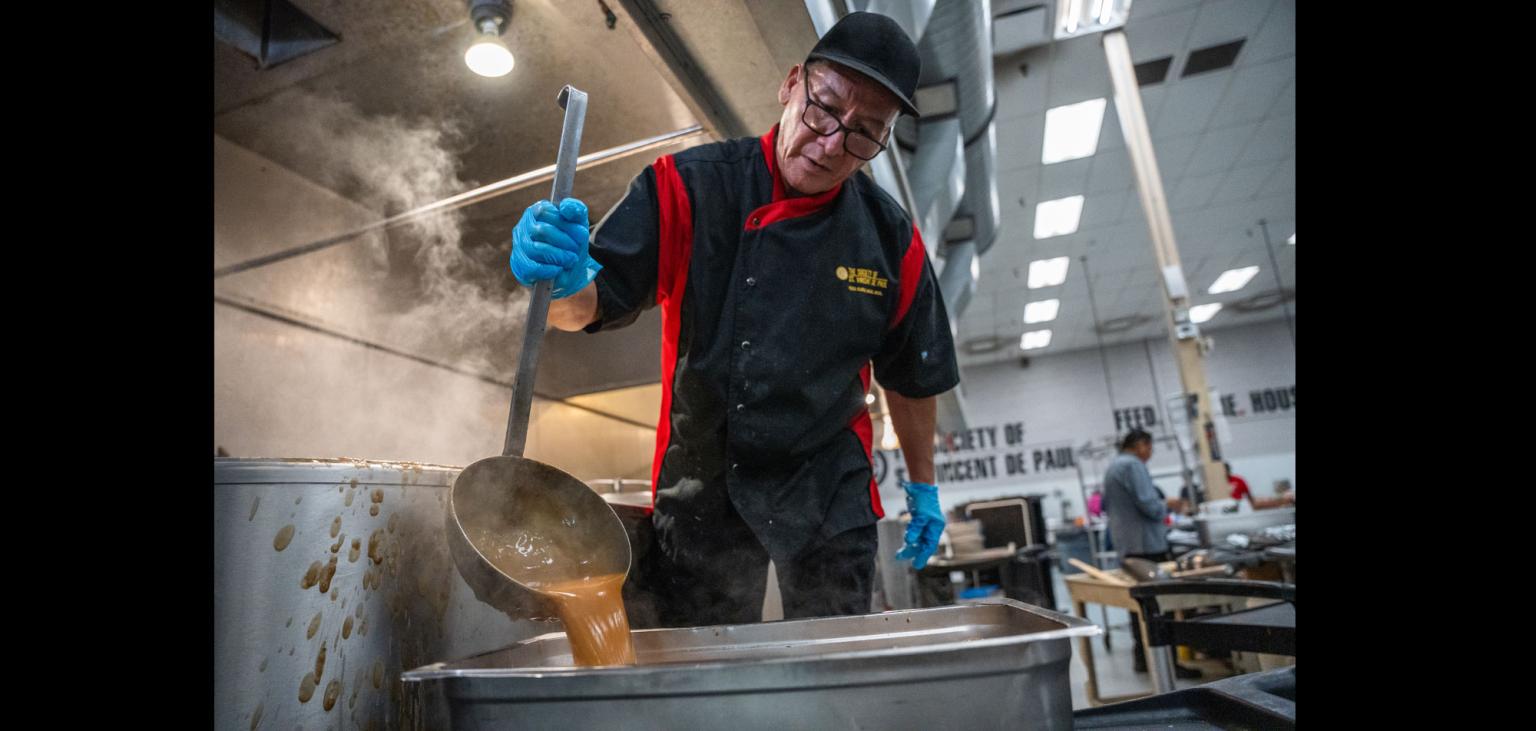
550 243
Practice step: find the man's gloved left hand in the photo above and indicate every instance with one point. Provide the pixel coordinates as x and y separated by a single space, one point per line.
927 524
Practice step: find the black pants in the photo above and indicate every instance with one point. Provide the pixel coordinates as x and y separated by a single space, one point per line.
723 580
1139 646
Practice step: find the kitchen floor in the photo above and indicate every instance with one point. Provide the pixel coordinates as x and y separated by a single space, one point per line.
1115 666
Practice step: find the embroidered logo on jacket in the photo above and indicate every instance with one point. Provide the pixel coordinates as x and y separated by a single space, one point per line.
863 281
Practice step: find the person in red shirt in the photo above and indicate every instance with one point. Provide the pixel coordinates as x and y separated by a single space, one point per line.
1239 485
1240 491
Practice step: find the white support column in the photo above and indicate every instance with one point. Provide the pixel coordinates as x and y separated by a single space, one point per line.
1183 333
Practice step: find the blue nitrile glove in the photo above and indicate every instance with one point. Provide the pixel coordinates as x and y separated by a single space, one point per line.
551 243
927 523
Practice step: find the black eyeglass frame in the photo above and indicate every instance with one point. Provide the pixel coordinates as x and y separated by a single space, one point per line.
847 132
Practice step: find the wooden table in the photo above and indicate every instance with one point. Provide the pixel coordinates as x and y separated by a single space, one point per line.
1085 589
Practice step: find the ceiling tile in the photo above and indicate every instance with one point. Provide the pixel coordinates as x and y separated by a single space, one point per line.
1275 140
1111 172
1153 36
1276 39
1285 102
1243 183
1063 179
1021 94
1253 92
1218 149
1102 209
1190 104
1079 71
1194 192
1019 142
1221 21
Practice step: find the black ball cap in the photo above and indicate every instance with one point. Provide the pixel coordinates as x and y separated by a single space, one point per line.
874 45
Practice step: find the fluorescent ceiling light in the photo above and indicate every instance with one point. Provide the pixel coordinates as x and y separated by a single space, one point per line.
1058 217
1048 272
1291 240
975 268
1072 131
1042 311
1081 17
1201 313
1035 339
888 440
1232 280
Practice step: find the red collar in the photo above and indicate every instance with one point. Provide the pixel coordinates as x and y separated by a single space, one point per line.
770 156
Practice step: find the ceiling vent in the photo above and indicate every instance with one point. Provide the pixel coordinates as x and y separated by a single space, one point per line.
1122 324
1020 28
1153 72
1263 300
1212 58
984 344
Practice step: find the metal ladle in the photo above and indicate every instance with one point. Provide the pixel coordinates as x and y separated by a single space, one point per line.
544 525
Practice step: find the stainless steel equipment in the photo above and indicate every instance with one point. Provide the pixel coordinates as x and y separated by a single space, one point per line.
550 526
330 576
998 664
1214 529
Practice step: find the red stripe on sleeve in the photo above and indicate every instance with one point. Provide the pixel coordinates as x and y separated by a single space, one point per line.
911 275
865 431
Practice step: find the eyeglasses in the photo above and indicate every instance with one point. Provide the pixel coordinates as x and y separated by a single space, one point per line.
824 122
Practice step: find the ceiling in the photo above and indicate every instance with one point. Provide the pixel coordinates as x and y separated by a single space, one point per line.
1225 143
404 59
1224 139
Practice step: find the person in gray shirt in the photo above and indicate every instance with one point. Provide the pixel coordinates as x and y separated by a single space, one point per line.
1137 513
1137 509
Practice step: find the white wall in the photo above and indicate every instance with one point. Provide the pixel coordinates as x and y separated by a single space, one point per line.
1062 401
286 391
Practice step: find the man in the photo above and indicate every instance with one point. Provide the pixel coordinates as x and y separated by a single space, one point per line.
1137 512
782 276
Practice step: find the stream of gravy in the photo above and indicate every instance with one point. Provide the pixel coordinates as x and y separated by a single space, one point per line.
595 621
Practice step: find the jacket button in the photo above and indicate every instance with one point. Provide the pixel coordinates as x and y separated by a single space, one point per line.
751 281
746 345
741 407
756 220
734 466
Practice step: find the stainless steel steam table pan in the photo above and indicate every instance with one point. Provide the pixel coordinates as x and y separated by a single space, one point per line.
992 664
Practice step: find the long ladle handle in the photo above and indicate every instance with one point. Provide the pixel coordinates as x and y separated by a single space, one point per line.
574 102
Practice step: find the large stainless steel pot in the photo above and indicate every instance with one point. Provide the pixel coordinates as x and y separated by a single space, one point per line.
331 576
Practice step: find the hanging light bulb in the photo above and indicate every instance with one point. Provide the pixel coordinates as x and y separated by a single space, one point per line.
489 56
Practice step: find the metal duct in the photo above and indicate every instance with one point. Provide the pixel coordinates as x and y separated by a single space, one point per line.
981 203
957 60
937 174
956 97
956 281
911 15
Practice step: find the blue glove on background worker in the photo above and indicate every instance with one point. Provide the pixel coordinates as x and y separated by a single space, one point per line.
550 242
927 524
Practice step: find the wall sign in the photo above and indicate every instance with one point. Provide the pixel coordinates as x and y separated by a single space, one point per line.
1260 401
983 454
1136 417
